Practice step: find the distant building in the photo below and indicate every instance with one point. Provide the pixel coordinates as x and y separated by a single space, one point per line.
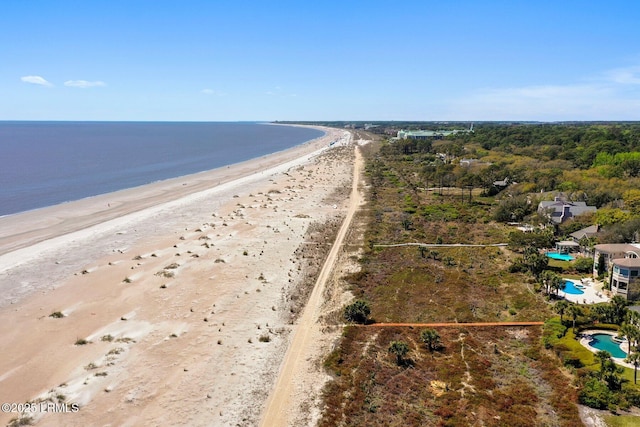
567 246
468 162
429 134
501 183
586 232
560 210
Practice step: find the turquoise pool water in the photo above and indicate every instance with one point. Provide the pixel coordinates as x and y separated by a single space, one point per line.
570 288
561 257
606 342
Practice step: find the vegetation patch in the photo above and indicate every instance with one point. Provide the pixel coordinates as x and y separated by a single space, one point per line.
421 193
480 376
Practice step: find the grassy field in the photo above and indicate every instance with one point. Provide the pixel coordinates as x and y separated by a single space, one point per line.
621 421
493 376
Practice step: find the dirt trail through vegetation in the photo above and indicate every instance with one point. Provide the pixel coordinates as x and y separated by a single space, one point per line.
454 324
277 411
441 245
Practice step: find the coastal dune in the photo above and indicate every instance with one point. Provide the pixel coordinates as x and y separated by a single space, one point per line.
166 304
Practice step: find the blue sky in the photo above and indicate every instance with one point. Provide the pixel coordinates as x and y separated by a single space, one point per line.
329 60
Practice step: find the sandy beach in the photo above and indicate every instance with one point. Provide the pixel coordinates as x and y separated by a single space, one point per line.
171 303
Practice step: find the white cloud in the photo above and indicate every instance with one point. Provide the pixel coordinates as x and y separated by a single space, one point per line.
278 91
212 92
608 97
629 75
36 80
83 83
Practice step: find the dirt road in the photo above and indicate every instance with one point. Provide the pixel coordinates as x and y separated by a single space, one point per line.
278 411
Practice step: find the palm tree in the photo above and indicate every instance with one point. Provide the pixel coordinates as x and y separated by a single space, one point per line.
406 223
358 311
628 331
560 308
556 283
609 371
603 357
423 251
400 349
633 317
574 311
431 338
545 278
535 261
634 358
619 309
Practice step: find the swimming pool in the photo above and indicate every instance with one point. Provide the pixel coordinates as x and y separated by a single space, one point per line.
570 288
606 342
561 257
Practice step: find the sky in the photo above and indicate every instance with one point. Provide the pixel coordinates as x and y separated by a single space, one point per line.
218 60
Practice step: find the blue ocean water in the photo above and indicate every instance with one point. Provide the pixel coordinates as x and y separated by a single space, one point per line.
46 163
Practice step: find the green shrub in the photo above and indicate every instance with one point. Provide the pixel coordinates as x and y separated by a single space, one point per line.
264 338
632 395
358 311
518 267
572 360
553 331
595 394
583 265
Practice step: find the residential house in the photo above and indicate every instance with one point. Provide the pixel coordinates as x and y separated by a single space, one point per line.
560 210
622 262
586 232
468 162
624 278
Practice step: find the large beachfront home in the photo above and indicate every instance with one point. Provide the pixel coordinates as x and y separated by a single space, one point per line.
559 210
624 278
622 261
611 251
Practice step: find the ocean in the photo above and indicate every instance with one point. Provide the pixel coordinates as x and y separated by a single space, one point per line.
47 163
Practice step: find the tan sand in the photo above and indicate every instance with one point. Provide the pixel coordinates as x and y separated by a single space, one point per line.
180 286
308 340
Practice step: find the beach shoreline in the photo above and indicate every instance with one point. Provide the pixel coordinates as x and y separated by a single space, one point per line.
45 223
176 310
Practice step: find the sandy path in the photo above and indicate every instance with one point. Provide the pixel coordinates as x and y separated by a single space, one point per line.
279 410
185 303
